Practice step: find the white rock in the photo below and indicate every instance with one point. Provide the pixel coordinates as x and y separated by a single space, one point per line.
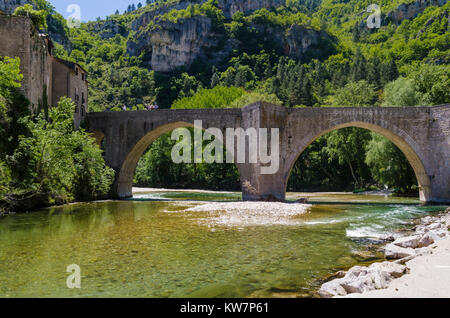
363 279
360 285
426 240
332 288
434 226
393 269
429 219
392 251
406 242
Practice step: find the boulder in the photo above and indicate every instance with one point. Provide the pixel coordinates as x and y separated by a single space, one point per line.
407 242
332 288
426 240
434 226
393 269
392 251
361 279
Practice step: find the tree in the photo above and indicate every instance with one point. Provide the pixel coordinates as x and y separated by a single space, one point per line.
348 147
215 80
358 70
388 164
402 92
433 82
354 94
54 164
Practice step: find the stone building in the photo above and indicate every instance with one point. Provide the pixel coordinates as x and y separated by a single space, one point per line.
70 79
45 78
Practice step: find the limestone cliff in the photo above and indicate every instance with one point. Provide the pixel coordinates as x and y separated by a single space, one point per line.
301 41
411 10
172 45
167 45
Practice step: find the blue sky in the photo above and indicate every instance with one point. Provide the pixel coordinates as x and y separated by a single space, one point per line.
91 9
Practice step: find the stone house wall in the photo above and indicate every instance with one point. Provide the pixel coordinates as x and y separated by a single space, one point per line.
19 39
44 76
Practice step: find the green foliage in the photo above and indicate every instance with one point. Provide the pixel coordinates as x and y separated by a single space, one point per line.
353 94
13 105
54 164
388 164
38 17
402 92
425 85
217 97
209 9
5 179
348 146
10 78
253 97
187 176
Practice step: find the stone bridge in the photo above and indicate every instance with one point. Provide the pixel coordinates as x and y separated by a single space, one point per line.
421 133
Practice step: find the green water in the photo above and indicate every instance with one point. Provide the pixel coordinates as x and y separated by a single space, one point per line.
157 249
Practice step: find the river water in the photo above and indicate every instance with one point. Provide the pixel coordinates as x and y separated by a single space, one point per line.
196 244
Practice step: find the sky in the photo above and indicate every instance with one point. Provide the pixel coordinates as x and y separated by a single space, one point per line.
91 9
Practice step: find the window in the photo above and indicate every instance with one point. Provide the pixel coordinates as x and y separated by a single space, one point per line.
76 71
82 76
76 109
82 98
82 111
77 97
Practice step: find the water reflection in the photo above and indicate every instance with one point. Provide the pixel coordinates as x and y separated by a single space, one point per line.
164 249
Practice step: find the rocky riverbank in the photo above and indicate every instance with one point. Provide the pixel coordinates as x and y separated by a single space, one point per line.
412 255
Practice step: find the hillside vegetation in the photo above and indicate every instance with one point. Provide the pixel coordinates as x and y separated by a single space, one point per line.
295 53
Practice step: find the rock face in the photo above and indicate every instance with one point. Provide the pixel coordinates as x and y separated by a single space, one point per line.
412 10
300 41
230 7
8 6
179 44
167 45
108 28
174 45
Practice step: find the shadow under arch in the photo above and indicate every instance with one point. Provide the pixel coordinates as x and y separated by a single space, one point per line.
398 137
125 178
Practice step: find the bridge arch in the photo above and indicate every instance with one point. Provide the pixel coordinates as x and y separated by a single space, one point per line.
124 181
400 138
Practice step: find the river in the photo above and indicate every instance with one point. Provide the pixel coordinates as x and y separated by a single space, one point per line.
196 244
